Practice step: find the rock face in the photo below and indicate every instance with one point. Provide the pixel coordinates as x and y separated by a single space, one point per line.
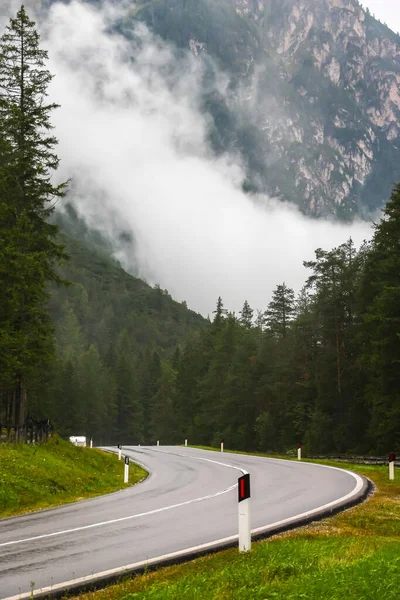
315 101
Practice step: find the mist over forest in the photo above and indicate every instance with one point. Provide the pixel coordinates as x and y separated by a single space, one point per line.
227 279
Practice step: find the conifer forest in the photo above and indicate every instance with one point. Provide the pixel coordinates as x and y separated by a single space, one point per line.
103 354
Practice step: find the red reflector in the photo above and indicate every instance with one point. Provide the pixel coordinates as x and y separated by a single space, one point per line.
244 487
392 457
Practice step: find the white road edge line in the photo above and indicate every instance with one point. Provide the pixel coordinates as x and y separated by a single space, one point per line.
181 553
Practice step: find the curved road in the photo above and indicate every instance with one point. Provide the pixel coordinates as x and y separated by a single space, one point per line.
188 500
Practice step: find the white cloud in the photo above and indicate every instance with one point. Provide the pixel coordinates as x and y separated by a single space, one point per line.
134 141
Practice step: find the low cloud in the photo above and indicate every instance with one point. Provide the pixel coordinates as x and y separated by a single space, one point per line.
133 138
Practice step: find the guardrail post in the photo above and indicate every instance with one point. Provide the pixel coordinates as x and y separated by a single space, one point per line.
392 458
126 470
244 513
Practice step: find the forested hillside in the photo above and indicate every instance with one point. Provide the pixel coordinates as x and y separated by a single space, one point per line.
113 335
322 368
103 354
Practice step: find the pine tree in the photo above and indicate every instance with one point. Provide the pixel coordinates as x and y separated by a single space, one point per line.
28 250
163 422
246 315
381 332
335 280
280 310
129 421
219 313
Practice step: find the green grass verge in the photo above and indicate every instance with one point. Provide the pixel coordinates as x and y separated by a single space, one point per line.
352 556
46 475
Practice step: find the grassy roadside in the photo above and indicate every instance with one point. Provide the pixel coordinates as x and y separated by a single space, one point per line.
46 475
352 556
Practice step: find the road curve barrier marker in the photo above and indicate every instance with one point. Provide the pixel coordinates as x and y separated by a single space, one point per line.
392 458
244 513
126 470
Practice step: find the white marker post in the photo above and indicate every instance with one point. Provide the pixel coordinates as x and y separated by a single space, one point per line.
158 442
392 458
126 471
91 442
244 513
119 452
186 443
222 445
299 451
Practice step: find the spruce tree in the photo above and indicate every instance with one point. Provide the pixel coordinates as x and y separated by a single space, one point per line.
29 252
280 310
246 315
381 331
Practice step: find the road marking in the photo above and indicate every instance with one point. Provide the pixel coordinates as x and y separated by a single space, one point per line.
120 520
216 462
139 515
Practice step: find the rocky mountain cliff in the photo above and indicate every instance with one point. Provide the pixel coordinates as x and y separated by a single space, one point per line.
314 105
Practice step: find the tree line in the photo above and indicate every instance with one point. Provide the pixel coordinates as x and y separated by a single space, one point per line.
322 368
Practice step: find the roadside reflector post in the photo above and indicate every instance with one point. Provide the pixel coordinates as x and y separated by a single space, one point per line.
91 442
185 442
222 445
299 451
158 442
119 452
126 470
392 458
244 513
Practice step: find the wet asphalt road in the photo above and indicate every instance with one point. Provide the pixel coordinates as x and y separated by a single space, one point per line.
185 502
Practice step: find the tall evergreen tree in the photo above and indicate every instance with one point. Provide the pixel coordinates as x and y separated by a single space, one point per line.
129 421
28 250
246 315
381 296
280 310
163 422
